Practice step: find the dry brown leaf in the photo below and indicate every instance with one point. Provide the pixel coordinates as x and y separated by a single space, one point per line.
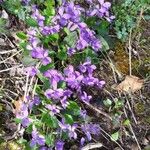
18 104
130 84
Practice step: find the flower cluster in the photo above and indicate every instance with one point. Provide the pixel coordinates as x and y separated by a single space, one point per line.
75 81
37 138
69 15
53 105
37 51
25 2
89 129
100 9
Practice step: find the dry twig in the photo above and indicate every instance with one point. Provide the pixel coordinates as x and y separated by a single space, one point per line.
92 146
132 130
98 110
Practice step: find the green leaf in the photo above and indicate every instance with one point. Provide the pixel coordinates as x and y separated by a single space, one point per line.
29 129
67 31
12 6
73 108
91 21
1 140
51 53
126 122
107 102
22 35
21 14
1 107
45 68
49 11
50 121
147 17
31 22
65 136
62 54
105 45
54 37
50 138
90 53
17 120
62 84
28 147
68 119
46 83
115 136
49 3
51 38
38 124
73 105
39 89
3 26
103 28
78 57
118 103
71 39
21 141
23 45
27 60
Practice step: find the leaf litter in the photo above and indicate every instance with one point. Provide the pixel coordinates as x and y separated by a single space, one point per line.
130 84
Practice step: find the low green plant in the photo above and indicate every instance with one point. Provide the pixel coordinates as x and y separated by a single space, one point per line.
3 29
127 13
60 50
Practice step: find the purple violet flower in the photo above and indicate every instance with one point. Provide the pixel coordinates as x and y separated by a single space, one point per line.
64 127
38 17
1 1
54 76
50 30
90 80
87 66
35 101
72 26
53 108
34 42
71 51
25 122
32 33
85 97
37 139
68 71
89 1
83 114
89 129
81 44
41 54
100 9
54 94
69 128
82 141
23 112
31 71
101 83
59 145
25 2
73 79
37 53
46 61
43 148
64 102
71 131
